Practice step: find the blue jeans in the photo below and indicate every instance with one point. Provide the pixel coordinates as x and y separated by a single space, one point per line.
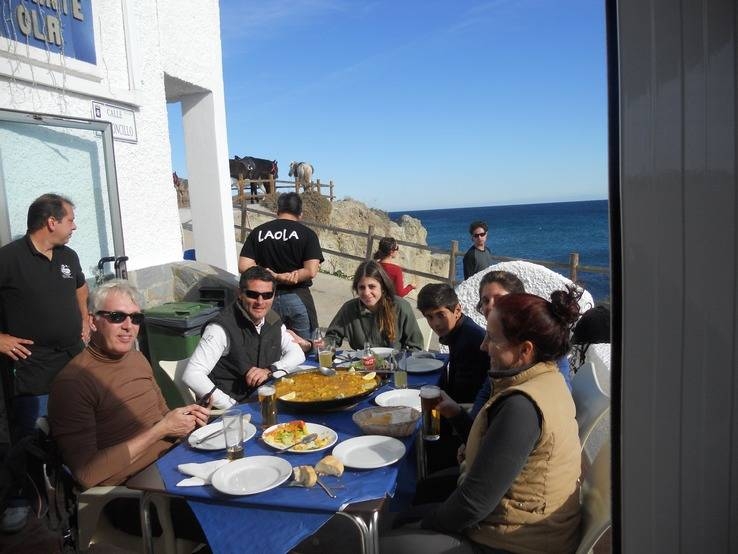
293 313
26 409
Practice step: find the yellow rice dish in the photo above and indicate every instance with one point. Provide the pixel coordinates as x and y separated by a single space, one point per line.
313 386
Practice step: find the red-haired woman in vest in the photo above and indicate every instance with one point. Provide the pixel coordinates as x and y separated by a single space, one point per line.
518 490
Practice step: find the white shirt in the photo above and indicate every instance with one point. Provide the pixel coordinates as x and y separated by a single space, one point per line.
214 345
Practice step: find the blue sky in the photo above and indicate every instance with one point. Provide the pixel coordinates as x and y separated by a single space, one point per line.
417 105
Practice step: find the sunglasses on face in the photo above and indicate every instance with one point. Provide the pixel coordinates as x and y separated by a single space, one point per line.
119 317
254 294
477 235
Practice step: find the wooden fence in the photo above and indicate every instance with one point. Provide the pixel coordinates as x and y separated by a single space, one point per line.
573 266
267 186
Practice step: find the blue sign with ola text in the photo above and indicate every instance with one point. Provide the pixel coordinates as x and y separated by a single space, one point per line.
60 26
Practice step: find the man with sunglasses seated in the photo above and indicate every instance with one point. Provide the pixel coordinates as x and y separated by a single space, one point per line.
106 412
245 345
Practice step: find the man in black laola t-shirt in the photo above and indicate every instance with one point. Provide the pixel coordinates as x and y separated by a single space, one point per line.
291 251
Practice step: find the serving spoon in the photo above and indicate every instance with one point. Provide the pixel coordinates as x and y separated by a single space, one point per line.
327 371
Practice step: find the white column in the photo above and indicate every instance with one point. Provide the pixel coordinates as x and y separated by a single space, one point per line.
206 146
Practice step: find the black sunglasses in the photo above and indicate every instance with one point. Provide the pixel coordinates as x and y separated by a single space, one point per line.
254 294
477 235
119 317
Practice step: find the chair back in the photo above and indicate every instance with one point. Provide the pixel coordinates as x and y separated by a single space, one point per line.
596 505
426 331
174 369
591 401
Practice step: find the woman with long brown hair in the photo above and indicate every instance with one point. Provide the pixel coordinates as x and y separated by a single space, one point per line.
376 315
385 255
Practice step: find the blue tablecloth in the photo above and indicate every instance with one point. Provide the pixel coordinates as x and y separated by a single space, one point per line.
278 519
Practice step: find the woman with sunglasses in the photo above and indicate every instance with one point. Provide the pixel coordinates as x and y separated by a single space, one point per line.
386 252
518 490
376 315
243 346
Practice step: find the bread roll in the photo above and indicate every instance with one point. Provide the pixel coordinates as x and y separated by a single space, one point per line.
330 465
305 476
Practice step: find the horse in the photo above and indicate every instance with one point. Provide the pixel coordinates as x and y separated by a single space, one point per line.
253 169
303 173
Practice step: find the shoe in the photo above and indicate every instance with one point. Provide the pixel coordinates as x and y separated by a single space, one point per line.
14 518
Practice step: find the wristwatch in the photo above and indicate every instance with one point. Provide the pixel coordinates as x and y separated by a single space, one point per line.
276 372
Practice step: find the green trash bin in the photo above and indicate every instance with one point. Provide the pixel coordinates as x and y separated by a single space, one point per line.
172 333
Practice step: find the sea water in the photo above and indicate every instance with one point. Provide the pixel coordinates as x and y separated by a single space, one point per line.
547 232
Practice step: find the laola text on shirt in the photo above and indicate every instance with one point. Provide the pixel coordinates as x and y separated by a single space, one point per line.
278 235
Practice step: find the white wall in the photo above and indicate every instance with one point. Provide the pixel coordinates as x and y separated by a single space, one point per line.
136 43
679 198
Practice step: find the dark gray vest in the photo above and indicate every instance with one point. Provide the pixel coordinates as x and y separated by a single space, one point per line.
247 349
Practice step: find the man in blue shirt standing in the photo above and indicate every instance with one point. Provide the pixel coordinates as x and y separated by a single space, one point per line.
478 257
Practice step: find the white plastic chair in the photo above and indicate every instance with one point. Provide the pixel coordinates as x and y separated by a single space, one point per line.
426 331
591 401
175 369
94 528
596 507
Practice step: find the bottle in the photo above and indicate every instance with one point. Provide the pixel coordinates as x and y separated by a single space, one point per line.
367 356
318 341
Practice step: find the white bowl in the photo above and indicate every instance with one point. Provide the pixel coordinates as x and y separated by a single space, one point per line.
382 351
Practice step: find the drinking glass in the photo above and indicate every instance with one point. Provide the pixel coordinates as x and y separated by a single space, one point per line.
268 403
233 432
400 372
325 354
430 396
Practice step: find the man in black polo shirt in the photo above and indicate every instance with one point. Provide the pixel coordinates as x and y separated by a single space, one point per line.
291 252
43 308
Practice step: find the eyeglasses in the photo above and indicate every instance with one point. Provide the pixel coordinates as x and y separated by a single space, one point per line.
254 294
477 235
119 317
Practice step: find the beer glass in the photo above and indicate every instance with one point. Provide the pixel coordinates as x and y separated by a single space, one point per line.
400 372
325 354
268 403
430 396
233 432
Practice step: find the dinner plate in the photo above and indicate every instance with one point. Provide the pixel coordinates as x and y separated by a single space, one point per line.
369 451
399 397
321 430
382 351
422 365
218 441
251 475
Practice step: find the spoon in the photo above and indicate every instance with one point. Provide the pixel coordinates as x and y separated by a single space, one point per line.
327 371
304 440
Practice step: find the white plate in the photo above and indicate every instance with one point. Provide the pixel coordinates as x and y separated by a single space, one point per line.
218 441
321 430
369 451
399 397
382 351
251 475
422 365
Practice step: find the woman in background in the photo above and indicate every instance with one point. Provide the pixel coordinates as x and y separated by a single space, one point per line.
386 252
376 315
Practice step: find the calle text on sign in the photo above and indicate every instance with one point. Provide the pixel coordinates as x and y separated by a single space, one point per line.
123 120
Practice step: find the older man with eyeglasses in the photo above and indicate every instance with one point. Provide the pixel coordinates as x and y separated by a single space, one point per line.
244 346
106 412
478 257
